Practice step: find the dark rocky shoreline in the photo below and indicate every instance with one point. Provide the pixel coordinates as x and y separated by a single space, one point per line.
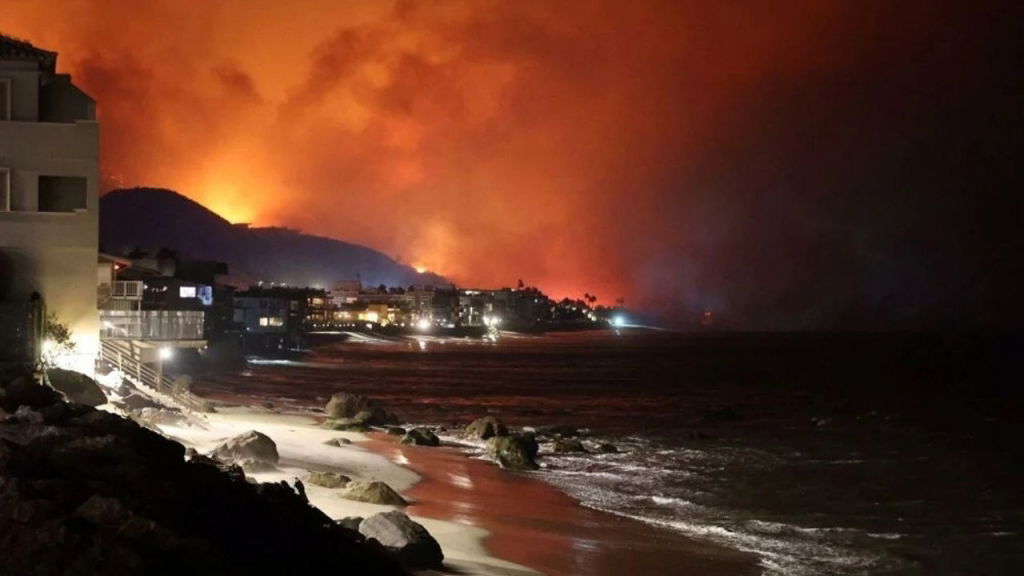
87 492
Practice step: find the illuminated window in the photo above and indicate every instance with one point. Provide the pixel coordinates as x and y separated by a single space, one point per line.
5 98
264 321
187 292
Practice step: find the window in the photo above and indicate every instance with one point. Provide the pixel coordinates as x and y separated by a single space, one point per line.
187 292
5 98
61 194
5 190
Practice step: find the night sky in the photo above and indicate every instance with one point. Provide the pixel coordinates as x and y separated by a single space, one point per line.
784 165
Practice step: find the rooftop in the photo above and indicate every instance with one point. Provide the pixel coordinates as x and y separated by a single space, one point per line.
20 50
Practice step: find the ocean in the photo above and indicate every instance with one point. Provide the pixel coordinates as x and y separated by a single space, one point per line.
842 454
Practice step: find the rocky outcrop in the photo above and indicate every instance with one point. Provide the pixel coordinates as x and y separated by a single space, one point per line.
328 479
88 492
76 387
514 452
408 541
485 428
338 442
374 492
421 437
253 451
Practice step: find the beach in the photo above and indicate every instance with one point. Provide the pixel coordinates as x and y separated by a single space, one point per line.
798 455
488 521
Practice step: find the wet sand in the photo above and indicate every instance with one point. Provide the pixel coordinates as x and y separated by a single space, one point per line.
536 525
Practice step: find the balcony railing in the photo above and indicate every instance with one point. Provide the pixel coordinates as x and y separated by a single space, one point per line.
151 325
127 290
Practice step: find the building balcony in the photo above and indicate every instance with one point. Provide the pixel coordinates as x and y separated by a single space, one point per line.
151 325
43 141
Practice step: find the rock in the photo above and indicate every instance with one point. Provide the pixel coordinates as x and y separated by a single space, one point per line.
421 437
76 387
345 405
160 416
89 492
558 431
409 541
484 428
27 415
328 479
608 448
338 442
346 425
135 401
24 391
356 409
568 447
253 451
395 431
102 510
374 492
350 522
514 452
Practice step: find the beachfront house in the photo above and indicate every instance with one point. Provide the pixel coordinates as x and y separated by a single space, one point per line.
49 200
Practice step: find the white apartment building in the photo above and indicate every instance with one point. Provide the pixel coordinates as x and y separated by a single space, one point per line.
49 193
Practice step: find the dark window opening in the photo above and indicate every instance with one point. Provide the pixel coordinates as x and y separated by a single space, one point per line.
61 194
5 99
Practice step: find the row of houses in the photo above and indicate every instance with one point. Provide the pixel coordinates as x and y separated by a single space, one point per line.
419 308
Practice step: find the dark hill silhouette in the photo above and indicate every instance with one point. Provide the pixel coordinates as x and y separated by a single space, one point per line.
150 219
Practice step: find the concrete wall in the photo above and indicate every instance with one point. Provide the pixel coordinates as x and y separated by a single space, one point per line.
54 254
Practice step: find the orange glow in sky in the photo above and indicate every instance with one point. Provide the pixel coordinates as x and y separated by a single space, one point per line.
554 142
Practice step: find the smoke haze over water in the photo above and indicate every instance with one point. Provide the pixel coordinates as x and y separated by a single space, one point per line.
803 165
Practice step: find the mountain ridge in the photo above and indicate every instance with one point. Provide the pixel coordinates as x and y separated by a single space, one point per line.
154 218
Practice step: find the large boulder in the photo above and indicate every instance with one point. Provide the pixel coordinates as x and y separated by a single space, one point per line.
514 452
76 387
252 451
345 405
484 428
354 409
408 541
421 437
328 479
374 492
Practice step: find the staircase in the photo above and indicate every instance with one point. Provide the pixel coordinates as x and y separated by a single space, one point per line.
124 355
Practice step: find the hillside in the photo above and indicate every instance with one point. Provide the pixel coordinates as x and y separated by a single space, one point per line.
151 219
